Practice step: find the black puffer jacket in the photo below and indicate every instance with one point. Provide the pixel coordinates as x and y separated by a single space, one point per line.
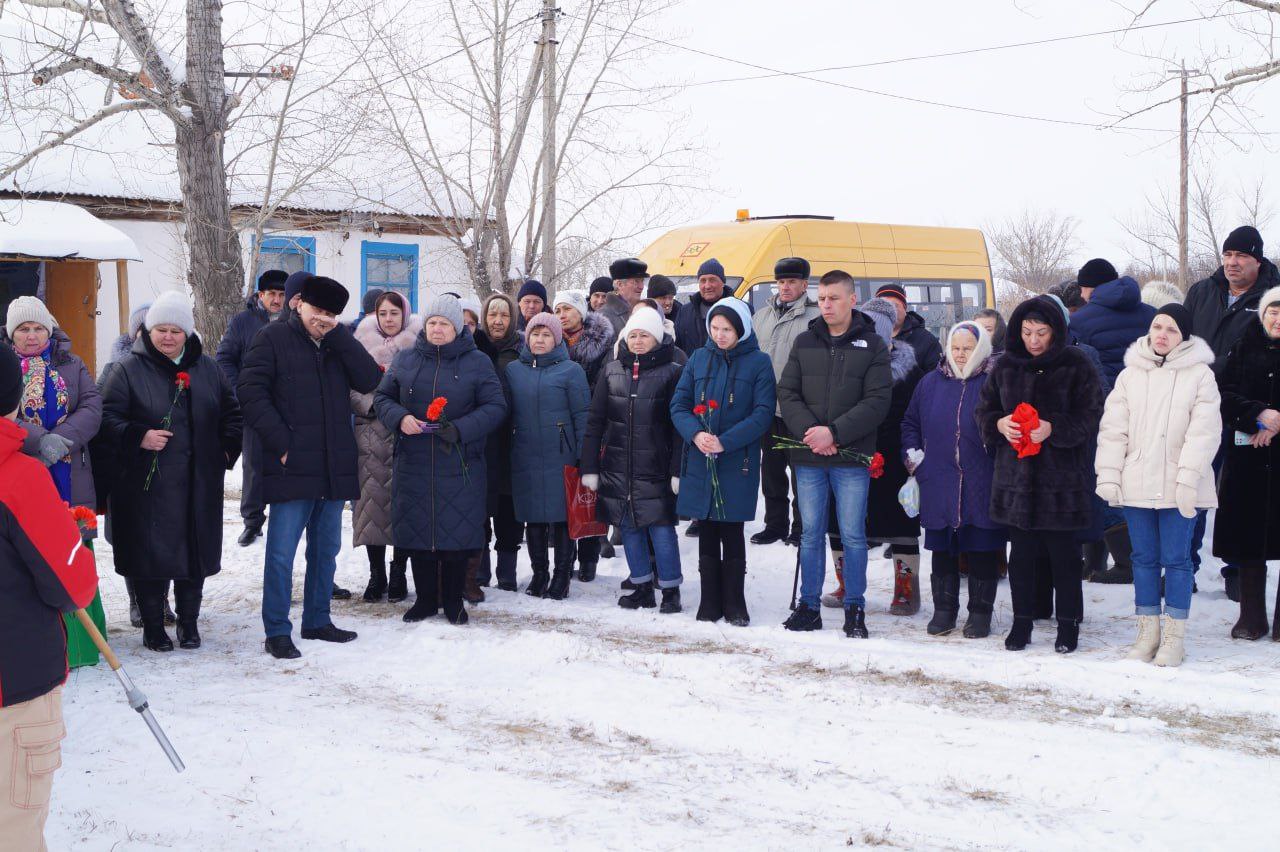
297 397
1054 489
1248 520
172 530
691 322
1222 326
497 450
928 349
438 491
842 383
630 441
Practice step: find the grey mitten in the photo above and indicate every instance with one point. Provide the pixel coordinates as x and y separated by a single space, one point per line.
53 448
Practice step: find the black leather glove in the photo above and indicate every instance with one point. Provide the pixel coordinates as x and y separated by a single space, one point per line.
448 435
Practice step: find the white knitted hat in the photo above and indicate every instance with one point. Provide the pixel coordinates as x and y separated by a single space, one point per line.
28 309
172 307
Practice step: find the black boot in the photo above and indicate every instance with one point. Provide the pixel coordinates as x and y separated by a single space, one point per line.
471 591
453 581
982 600
377 587
188 597
426 583
506 571
606 548
1117 542
946 603
804 619
733 595
1253 602
154 636
692 530
641 598
252 529
282 648
397 585
536 537
1095 559
711 603
566 554
670 601
1020 636
855 622
586 572
1068 636
340 594
135 614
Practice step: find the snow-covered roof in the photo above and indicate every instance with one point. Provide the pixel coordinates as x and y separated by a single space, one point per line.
54 230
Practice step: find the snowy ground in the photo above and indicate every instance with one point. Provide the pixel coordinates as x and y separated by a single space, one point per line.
575 724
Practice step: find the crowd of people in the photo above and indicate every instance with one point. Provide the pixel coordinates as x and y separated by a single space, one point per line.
1099 420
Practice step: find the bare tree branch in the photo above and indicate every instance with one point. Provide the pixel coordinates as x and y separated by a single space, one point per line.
73 131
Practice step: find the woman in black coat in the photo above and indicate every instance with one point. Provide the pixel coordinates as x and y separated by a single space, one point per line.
499 338
166 503
1247 529
1047 495
631 458
439 479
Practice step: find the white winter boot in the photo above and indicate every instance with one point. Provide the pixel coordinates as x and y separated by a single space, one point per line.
1172 632
1148 639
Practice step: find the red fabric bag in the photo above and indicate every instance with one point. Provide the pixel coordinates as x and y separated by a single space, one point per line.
580 504
1027 420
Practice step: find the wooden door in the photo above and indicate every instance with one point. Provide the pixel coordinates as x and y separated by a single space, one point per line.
71 293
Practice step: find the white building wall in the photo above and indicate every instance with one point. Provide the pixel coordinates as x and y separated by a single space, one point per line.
441 267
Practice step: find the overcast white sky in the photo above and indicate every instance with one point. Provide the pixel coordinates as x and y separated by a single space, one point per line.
789 145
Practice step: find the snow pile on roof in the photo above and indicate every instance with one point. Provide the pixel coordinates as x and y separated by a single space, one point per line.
53 230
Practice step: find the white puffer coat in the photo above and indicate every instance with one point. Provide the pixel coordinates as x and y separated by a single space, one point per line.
1161 426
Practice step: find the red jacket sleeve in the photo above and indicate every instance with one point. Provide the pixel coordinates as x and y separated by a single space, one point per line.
46 538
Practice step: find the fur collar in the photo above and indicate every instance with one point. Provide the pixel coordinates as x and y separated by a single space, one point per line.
902 360
593 342
1188 353
384 348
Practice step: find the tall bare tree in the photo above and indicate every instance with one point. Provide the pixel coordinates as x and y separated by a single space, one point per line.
462 119
1033 249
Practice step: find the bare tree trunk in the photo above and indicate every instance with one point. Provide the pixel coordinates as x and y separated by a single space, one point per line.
216 272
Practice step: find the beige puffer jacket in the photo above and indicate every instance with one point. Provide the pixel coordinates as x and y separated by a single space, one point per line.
1161 427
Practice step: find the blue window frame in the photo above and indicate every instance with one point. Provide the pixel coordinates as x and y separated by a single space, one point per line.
292 254
390 266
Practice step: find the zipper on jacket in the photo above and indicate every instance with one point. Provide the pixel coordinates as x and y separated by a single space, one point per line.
435 379
324 420
631 445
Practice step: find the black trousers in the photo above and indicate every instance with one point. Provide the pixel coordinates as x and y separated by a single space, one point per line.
777 482
251 506
721 541
152 594
1062 553
503 524
983 564
378 555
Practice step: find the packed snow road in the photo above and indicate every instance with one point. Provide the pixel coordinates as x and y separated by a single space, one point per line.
575 724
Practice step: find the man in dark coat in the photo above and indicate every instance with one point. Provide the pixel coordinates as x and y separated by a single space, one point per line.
265 306
910 328
834 393
1222 306
1113 319
45 570
294 390
691 327
629 275
599 293
531 300
663 291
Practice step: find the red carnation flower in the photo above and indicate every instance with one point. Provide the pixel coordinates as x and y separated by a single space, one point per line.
436 409
182 380
712 404
699 410
877 466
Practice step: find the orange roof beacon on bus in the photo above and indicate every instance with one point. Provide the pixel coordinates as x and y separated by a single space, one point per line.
946 271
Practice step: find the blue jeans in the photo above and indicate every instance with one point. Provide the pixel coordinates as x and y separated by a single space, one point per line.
322 521
666 549
850 486
1161 538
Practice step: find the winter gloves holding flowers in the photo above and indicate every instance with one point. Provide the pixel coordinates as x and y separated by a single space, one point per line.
53 448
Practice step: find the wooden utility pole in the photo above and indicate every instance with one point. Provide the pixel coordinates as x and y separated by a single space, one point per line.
1183 169
549 107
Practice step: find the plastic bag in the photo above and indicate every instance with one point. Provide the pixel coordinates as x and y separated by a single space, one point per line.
581 505
909 497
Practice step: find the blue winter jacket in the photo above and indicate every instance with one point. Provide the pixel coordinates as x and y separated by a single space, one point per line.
234 345
955 476
549 402
435 503
1115 317
741 382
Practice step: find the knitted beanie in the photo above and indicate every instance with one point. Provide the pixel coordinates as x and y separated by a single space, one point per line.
172 307
551 322
447 307
28 309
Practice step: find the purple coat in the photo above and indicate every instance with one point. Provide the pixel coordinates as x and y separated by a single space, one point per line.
84 415
955 476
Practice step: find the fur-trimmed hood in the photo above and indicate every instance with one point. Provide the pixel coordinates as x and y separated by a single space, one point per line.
1188 353
902 360
593 343
384 348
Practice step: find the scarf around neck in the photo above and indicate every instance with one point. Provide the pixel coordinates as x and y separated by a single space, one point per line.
44 403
